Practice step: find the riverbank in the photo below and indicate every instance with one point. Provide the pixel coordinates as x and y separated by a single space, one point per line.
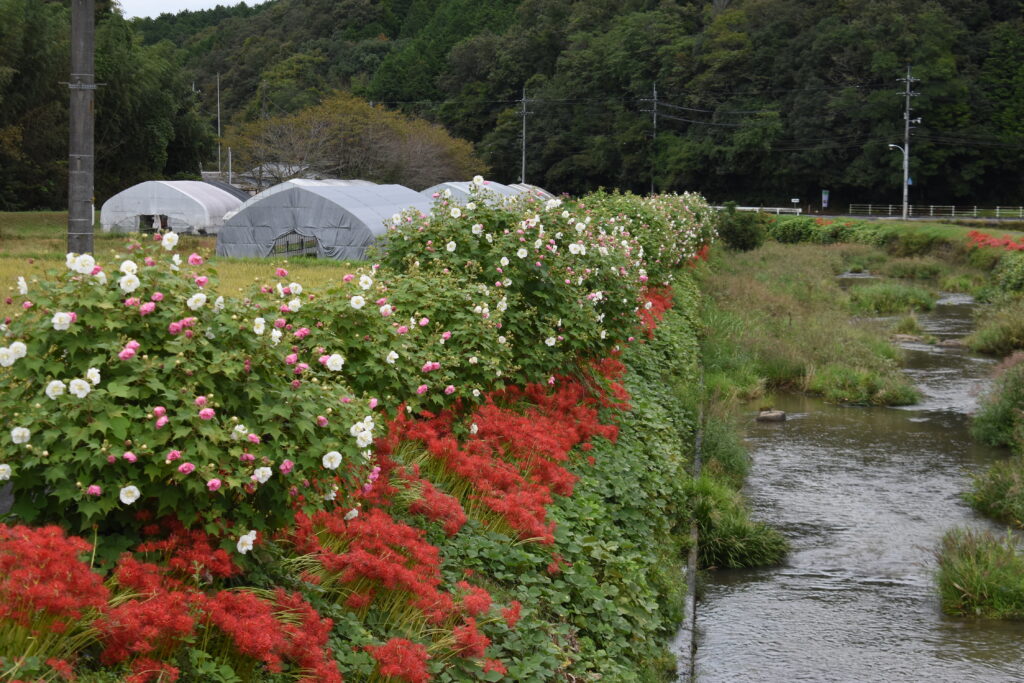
864 493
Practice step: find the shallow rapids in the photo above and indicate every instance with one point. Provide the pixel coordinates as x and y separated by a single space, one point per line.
864 496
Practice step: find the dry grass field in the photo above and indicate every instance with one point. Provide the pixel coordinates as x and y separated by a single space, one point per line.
32 242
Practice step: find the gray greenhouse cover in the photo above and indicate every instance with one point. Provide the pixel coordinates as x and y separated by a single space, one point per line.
289 184
460 190
189 206
344 220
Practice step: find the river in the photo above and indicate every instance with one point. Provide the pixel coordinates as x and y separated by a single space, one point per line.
864 496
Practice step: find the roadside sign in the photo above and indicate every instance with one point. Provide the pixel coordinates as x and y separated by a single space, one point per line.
824 199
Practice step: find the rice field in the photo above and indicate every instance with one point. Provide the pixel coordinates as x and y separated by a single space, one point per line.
33 242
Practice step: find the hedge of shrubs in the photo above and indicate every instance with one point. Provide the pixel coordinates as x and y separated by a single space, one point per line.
249 487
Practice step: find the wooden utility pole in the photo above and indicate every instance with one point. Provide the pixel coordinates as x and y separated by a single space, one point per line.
81 152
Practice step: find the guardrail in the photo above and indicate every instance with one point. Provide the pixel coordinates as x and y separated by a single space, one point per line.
766 209
937 210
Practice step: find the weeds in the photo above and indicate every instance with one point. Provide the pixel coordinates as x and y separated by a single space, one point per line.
999 492
1000 421
980 575
917 268
1000 328
728 537
776 317
884 298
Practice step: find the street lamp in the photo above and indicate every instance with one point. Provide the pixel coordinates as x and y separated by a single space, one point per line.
906 174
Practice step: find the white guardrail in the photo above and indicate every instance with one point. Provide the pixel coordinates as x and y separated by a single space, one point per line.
766 209
937 210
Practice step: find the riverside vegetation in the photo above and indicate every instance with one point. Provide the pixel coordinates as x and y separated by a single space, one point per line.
979 573
363 479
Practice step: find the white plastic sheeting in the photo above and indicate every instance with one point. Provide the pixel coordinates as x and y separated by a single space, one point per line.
296 182
459 191
343 219
526 188
190 206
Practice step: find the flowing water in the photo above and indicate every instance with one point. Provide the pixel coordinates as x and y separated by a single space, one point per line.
864 495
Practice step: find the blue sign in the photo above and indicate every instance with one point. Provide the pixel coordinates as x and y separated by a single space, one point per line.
910 181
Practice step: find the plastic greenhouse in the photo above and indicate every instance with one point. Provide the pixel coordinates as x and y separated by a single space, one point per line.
182 205
460 190
326 221
526 188
295 182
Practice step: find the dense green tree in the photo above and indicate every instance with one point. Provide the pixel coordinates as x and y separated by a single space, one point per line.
758 100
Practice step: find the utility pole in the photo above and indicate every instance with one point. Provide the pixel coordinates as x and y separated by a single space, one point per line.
908 93
522 168
220 171
654 131
81 161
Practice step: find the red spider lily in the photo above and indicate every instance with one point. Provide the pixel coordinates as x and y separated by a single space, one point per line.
191 551
495 665
153 626
145 670
476 600
373 556
43 584
401 659
980 239
438 506
660 300
512 613
469 642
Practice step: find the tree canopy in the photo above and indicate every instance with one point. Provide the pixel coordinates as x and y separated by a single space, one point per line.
757 100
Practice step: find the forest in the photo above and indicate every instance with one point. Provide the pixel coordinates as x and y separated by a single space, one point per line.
757 101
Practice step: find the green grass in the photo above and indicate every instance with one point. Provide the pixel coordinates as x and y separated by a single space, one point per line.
776 317
884 298
1000 419
1000 328
980 575
908 324
914 268
999 492
728 537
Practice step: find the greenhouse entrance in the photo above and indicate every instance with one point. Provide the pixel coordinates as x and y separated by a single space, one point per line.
294 244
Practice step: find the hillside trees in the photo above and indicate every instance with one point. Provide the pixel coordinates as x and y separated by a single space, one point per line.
347 137
147 120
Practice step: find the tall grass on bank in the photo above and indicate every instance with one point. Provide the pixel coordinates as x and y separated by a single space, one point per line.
728 537
1000 328
999 492
915 268
980 575
776 317
885 298
1000 420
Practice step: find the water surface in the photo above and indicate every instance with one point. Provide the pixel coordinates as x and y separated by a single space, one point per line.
864 495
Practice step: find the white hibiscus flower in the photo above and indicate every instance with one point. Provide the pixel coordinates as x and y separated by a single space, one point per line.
129 494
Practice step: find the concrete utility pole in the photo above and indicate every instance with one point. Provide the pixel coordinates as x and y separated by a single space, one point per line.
908 93
81 149
522 168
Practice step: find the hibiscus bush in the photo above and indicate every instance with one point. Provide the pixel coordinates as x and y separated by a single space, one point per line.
567 281
671 229
422 338
141 390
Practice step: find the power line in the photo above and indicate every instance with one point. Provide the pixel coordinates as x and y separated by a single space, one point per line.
703 123
718 111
